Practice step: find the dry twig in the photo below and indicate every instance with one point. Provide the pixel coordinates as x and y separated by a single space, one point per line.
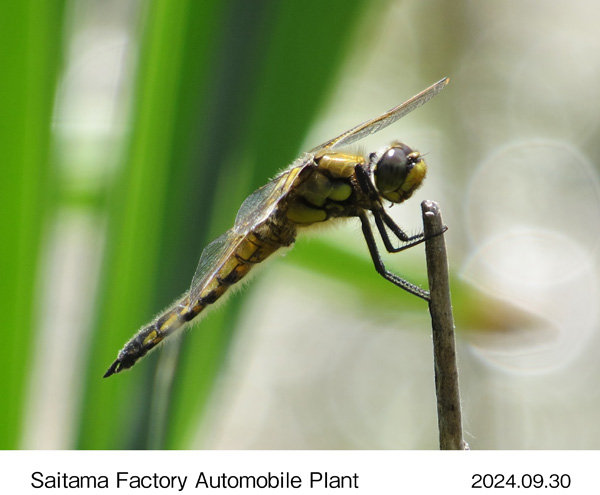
440 308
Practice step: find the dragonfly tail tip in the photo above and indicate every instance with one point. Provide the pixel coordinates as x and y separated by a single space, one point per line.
112 370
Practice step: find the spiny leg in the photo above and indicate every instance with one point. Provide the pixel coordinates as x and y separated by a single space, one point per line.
380 267
382 219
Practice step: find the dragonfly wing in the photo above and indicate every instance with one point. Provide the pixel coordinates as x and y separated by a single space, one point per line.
212 258
254 210
257 207
378 123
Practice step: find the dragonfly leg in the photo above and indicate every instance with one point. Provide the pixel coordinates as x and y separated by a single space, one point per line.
380 267
383 220
395 228
365 183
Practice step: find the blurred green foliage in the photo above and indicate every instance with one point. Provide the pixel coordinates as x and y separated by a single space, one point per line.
223 95
30 36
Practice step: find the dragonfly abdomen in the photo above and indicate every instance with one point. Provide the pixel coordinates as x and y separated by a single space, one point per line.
149 337
254 248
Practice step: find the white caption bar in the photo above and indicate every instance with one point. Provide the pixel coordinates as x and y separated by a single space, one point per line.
299 472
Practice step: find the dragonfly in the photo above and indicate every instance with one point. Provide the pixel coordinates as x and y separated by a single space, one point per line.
322 185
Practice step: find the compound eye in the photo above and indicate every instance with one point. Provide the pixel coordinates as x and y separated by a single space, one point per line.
392 168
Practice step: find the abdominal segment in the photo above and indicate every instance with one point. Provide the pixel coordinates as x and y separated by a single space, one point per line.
252 249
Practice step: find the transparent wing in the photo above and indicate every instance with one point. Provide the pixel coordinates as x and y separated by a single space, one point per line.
375 125
212 258
255 209
262 203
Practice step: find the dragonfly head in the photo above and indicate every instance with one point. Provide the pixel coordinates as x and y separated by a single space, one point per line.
398 172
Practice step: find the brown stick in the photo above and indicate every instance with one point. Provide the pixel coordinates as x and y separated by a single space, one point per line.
444 352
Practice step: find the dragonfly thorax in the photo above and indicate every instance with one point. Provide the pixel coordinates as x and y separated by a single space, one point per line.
398 172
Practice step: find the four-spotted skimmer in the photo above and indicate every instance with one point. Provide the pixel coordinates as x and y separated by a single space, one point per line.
321 185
